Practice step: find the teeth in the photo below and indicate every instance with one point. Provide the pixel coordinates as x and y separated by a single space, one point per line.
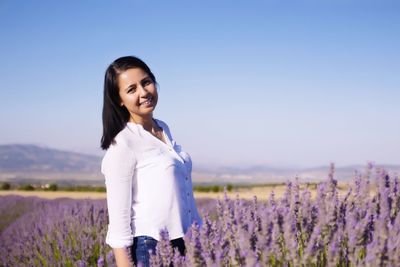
147 101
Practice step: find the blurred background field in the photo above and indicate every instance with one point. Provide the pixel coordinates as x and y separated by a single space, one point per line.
32 168
262 192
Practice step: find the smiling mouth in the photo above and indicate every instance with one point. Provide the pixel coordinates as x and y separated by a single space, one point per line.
148 101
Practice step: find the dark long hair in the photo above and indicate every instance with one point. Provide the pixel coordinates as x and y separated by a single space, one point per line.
116 116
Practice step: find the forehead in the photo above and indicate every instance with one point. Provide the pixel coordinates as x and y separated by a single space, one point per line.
131 76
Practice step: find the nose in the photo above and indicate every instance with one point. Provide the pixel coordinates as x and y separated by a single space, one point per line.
142 91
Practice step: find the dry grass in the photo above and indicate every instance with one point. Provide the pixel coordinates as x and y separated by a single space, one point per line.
261 192
55 194
264 192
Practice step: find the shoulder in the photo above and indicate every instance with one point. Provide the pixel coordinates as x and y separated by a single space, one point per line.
120 153
126 137
163 125
125 140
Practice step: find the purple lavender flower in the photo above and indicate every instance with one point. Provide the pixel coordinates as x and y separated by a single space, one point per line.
360 228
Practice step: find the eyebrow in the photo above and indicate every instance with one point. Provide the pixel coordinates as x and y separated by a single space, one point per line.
133 85
147 77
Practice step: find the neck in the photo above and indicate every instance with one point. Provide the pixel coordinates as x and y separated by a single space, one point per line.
147 122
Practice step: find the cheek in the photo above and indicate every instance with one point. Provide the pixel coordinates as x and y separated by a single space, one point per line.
122 100
129 100
155 92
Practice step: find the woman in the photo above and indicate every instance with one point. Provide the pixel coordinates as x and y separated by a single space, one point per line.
148 176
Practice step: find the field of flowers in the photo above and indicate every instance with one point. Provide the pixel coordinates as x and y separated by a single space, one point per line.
360 228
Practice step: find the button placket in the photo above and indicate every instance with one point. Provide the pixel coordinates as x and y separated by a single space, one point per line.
176 154
190 215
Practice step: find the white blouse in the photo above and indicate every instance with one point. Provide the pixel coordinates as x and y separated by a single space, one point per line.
149 186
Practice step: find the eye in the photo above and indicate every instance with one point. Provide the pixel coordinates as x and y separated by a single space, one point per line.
147 82
131 89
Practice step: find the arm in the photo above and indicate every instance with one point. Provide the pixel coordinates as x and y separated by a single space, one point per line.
118 168
122 257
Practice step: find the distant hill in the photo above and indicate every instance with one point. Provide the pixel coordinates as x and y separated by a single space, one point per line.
266 174
34 164
33 158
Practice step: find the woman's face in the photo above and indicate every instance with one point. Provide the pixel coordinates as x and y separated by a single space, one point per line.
137 92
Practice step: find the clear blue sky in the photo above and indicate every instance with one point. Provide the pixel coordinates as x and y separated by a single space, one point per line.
281 83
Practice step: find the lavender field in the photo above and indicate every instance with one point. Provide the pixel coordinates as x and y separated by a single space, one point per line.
360 228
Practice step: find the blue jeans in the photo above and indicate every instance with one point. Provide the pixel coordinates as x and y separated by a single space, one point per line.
144 245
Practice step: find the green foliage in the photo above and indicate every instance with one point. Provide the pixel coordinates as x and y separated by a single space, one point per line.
83 188
27 187
52 187
229 187
212 188
215 189
100 189
207 188
5 186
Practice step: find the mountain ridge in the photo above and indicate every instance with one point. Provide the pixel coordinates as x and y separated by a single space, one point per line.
29 157
36 162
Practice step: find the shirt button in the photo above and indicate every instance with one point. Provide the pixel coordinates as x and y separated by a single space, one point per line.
187 193
186 178
190 211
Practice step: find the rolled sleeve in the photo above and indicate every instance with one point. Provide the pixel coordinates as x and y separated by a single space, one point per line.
118 168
